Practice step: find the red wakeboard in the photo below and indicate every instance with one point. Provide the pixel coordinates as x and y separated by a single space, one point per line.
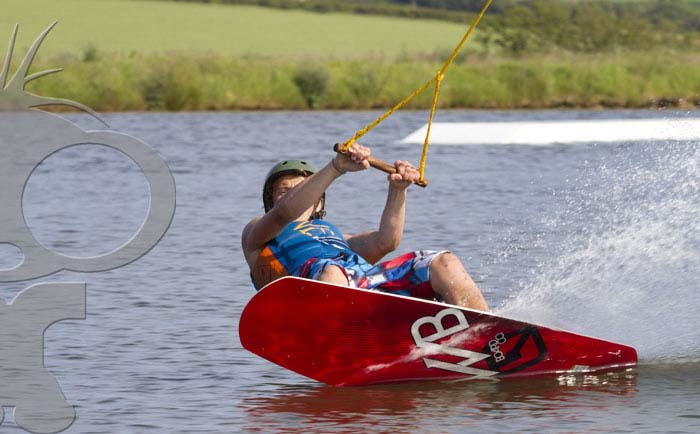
343 336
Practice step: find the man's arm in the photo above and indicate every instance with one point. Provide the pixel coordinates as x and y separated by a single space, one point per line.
301 198
374 245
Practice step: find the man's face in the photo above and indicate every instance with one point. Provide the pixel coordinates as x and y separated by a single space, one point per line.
283 185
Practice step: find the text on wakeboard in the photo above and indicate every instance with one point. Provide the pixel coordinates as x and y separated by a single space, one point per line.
429 345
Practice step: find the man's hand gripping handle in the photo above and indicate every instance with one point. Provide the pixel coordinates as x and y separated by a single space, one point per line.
381 165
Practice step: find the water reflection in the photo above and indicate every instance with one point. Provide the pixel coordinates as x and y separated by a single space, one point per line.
353 408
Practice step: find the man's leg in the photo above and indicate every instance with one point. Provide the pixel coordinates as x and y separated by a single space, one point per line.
333 274
450 280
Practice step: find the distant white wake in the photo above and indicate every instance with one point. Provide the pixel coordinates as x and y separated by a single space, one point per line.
552 132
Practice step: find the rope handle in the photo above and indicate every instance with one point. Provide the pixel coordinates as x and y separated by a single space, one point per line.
380 165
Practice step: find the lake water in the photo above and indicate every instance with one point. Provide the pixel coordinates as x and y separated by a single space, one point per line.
602 240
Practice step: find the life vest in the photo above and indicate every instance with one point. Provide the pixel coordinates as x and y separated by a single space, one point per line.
297 243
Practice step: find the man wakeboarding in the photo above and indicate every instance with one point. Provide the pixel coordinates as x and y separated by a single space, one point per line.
292 238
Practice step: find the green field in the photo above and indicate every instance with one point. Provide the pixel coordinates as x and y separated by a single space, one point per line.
151 26
160 55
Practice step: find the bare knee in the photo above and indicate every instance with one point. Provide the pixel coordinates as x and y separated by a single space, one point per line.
446 262
334 274
453 284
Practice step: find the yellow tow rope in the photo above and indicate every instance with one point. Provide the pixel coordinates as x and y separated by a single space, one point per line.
437 79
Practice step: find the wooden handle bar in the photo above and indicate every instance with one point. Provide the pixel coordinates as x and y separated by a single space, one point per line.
381 165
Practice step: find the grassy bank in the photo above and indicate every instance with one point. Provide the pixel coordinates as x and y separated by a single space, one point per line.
162 55
196 81
143 26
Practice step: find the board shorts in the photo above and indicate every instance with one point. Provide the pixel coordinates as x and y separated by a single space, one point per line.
407 274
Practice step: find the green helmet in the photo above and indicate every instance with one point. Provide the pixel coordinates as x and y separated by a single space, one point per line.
287 167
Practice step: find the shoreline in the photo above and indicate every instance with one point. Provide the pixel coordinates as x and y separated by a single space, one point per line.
564 110
206 82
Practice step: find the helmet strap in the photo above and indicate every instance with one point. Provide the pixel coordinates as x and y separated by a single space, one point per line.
319 214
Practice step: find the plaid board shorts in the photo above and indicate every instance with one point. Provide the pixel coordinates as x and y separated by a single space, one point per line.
407 274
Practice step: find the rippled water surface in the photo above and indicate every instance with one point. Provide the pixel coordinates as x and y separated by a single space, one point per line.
599 239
